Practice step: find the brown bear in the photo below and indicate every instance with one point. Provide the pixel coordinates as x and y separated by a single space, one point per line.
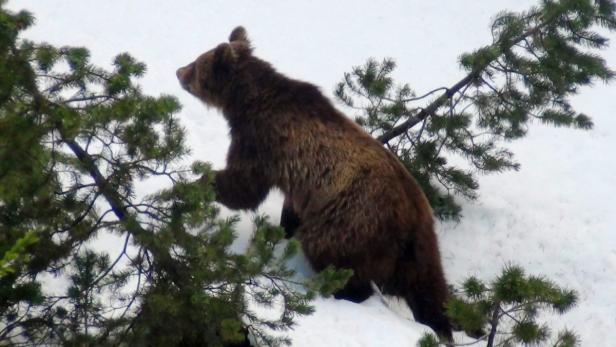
353 203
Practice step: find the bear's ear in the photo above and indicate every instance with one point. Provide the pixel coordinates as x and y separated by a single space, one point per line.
239 34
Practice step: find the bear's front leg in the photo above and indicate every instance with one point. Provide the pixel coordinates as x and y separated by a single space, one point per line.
239 190
289 220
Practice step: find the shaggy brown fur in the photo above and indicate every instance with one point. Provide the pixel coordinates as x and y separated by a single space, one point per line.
358 207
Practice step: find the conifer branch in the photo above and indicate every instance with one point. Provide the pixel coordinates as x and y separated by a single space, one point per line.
443 98
493 324
430 109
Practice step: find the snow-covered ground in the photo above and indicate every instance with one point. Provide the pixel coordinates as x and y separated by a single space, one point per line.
555 217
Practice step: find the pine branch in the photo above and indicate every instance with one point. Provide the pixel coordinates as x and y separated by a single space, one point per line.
443 98
494 325
110 195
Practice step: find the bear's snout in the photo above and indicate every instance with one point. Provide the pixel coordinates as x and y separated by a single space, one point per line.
183 74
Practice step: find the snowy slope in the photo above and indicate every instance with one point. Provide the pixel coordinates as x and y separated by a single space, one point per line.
556 216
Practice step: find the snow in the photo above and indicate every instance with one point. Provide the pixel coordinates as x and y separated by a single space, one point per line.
345 324
555 217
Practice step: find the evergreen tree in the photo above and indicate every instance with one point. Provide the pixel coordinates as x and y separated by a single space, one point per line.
74 140
537 60
504 314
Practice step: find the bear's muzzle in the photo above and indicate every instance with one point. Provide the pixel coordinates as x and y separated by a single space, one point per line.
184 75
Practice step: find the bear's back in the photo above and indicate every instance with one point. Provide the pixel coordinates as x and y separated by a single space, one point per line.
325 154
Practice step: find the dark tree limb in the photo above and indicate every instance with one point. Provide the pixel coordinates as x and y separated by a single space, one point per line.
430 109
467 80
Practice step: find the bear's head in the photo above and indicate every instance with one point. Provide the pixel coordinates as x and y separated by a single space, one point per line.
212 75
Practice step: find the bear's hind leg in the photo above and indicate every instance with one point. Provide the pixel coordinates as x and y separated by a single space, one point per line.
425 291
423 287
431 313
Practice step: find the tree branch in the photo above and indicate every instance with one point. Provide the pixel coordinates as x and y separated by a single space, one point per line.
430 109
442 100
494 324
86 160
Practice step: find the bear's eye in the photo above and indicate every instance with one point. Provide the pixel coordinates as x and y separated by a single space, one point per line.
203 74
